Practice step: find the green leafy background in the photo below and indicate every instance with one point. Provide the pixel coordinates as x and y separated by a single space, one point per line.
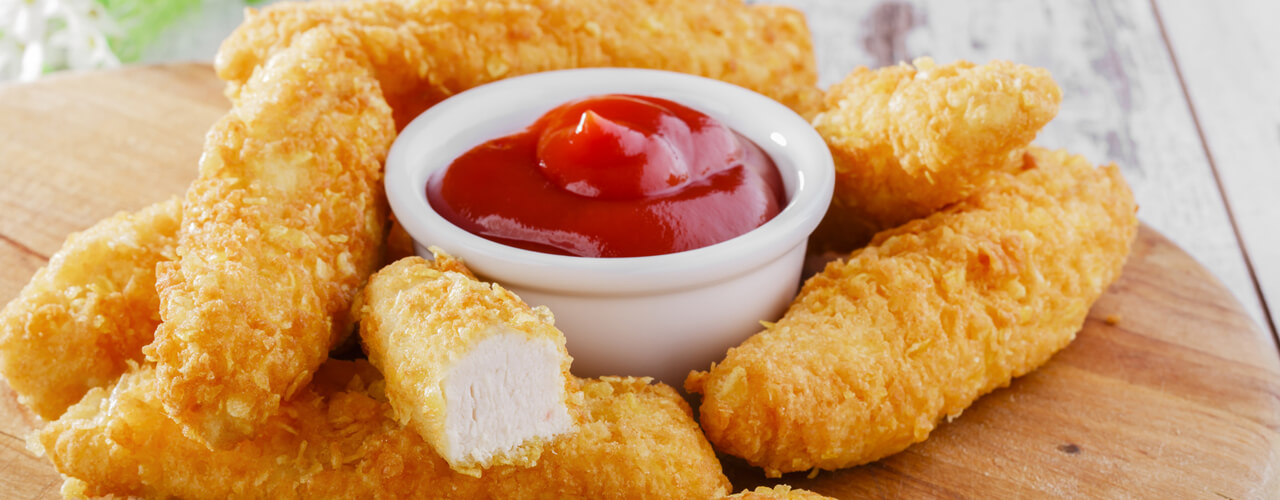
143 20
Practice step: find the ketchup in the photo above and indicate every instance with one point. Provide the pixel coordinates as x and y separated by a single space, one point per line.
611 176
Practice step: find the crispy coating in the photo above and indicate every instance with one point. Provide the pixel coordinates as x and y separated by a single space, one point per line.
780 492
442 262
336 440
915 327
399 244
88 311
425 50
417 321
910 139
282 226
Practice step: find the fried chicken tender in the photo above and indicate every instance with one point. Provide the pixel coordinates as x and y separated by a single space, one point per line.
423 51
915 327
282 226
399 244
910 139
480 375
89 311
336 440
780 492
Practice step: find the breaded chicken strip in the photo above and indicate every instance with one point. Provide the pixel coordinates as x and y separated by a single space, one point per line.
399 244
480 375
425 50
780 492
336 440
910 139
915 327
443 262
282 226
89 311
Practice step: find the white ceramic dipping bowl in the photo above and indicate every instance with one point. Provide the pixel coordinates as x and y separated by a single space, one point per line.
658 316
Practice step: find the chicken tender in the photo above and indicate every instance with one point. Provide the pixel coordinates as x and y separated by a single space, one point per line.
423 51
336 440
915 327
910 139
282 226
480 375
88 312
399 244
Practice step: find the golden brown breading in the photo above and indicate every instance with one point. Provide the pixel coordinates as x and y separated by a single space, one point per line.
399 244
429 331
908 140
780 492
336 440
425 50
88 311
913 328
283 224
445 262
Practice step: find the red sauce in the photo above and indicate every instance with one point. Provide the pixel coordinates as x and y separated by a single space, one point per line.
611 176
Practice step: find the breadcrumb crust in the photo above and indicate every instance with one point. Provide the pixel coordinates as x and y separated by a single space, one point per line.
336 439
910 139
89 311
284 223
880 346
423 51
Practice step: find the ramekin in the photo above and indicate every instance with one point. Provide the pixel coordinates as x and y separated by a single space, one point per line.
658 316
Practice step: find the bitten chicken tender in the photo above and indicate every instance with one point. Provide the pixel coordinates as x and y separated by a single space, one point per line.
282 226
336 440
480 375
915 327
88 312
910 139
423 51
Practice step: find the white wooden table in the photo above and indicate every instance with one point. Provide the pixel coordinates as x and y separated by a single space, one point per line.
1180 93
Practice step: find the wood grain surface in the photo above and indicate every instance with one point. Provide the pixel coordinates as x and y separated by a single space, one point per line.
1170 391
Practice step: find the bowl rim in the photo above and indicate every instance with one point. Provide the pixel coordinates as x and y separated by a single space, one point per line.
788 138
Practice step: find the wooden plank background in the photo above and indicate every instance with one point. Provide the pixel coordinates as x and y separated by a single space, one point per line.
1124 102
1229 61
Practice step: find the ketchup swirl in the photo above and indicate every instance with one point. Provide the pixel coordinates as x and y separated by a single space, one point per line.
611 176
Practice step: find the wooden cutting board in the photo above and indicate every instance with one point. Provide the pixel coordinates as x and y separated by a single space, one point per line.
1168 392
